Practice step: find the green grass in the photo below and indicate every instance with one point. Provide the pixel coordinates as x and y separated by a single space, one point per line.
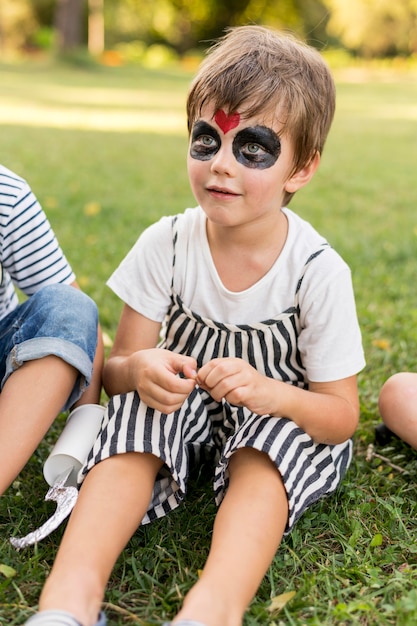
104 150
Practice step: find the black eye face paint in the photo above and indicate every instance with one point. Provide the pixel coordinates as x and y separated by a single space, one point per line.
258 147
205 141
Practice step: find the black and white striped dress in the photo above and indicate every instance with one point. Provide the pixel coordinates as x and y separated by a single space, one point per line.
309 470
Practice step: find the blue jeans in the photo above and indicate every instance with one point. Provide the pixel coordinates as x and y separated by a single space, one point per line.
57 320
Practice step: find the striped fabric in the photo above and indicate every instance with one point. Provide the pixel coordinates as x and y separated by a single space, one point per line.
309 470
30 255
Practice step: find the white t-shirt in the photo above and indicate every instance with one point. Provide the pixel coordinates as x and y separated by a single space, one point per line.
329 342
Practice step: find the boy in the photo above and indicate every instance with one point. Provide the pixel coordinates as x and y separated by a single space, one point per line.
260 349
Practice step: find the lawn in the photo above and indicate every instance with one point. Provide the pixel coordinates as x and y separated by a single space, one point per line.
104 150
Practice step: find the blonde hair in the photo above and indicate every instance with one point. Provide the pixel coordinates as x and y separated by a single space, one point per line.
253 70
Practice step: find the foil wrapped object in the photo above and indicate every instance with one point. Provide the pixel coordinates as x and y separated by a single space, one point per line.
65 496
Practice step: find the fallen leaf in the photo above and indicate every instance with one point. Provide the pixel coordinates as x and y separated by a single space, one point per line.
92 208
382 344
376 540
280 601
50 203
7 571
83 281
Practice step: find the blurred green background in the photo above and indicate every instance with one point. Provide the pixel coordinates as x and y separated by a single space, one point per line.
155 31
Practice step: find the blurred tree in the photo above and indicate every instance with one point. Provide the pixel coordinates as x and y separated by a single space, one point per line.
17 22
187 24
375 28
95 26
181 24
315 16
68 17
68 21
44 11
365 27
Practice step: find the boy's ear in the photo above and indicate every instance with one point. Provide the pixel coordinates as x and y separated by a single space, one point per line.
303 176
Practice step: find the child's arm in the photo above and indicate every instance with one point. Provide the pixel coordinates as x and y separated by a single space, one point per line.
328 412
136 364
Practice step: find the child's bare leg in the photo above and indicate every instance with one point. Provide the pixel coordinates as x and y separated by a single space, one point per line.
29 402
247 532
398 406
92 394
112 502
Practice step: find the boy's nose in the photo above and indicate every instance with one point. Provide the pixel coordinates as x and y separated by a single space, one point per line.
224 162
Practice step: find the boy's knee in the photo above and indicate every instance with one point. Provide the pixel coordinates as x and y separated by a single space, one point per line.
83 306
399 389
64 302
64 313
251 457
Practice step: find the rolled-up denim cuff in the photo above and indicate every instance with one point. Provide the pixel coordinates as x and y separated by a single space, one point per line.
69 352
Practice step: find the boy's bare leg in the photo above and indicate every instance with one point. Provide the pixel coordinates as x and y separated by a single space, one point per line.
398 406
247 532
29 402
92 394
112 502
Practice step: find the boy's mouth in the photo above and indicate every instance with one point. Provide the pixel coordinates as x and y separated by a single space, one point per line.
221 191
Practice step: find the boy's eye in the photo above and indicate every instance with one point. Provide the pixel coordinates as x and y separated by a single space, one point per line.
257 147
252 148
205 141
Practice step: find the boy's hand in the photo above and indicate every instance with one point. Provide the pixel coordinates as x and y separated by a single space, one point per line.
157 378
236 381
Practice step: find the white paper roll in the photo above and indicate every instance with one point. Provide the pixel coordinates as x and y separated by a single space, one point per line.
74 443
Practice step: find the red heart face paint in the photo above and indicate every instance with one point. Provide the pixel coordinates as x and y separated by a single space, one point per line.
226 122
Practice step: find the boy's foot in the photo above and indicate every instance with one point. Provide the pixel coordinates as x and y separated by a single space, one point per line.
59 618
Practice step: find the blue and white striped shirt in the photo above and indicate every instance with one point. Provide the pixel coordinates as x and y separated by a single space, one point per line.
30 256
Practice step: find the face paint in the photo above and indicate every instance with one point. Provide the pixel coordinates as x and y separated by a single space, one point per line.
257 147
205 141
226 122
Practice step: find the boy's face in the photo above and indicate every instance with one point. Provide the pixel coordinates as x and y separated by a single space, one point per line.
239 168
